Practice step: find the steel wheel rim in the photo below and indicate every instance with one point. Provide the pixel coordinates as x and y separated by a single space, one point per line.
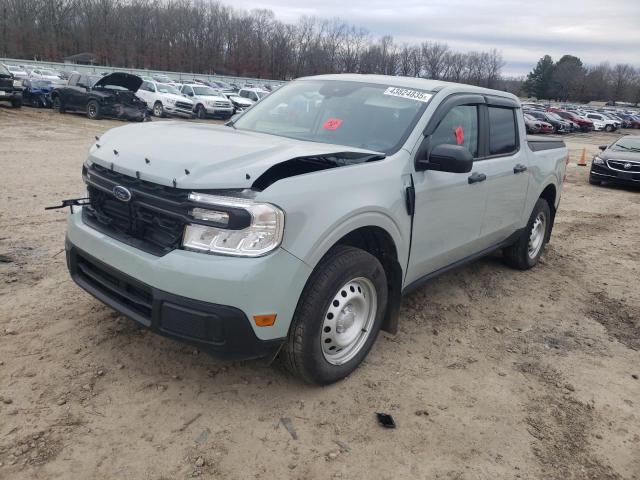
536 237
348 321
92 110
157 110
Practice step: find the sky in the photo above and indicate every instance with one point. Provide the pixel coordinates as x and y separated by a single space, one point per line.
523 30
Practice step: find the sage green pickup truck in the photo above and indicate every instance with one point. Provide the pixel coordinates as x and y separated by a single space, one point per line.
294 230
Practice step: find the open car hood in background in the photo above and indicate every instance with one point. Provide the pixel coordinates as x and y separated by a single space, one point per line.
121 79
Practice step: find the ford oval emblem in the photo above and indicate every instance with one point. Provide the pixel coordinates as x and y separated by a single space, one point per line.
121 193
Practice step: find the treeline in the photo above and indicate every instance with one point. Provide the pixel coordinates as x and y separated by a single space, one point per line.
569 80
209 37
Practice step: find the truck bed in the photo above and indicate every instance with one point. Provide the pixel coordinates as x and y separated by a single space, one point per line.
537 143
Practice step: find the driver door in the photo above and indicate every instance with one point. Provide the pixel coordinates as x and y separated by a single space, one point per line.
449 207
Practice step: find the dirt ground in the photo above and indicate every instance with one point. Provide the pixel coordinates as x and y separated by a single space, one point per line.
495 373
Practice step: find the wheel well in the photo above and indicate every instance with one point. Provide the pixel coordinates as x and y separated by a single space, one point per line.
378 242
549 194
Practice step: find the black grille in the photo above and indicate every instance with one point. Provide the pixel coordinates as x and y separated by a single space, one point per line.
620 164
184 106
153 220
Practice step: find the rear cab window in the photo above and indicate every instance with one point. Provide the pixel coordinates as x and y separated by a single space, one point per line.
503 131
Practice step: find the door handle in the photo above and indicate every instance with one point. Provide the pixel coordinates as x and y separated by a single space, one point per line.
519 168
477 177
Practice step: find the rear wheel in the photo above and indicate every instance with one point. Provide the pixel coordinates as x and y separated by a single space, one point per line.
338 316
526 251
158 109
93 110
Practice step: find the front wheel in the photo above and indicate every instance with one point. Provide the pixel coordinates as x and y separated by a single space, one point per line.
338 316
201 112
93 110
527 250
608 128
57 104
158 109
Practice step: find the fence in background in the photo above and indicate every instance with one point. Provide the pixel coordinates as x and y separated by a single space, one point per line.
178 76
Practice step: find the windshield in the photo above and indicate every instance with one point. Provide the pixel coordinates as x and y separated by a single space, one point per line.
162 78
208 91
555 117
627 144
48 72
4 70
261 94
164 88
13 69
356 114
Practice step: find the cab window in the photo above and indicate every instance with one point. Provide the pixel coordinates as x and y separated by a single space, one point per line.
458 127
503 139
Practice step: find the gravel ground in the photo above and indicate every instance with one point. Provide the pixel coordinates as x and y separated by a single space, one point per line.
494 373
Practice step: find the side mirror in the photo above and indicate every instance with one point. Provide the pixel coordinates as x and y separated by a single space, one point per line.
602 147
447 158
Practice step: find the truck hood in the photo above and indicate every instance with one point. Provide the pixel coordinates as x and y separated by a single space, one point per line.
121 79
213 98
201 156
620 155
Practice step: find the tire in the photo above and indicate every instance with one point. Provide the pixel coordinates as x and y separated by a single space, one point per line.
201 112
57 104
526 251
316 350
158 109
16 103
608 128
593 181
93 110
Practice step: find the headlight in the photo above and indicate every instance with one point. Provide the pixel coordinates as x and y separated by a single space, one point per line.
17 83
260 234
210 103
171 101
597 160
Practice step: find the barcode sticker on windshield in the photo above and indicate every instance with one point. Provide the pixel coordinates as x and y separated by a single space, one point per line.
408 93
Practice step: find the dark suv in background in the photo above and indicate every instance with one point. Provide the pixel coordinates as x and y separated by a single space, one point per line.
10 88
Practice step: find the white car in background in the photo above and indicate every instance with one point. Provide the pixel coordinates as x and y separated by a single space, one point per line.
600 122
17 72
208 101
253 94
164 99
240 104
43 74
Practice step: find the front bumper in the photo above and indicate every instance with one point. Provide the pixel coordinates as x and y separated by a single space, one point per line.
207 300
606 174
219 111
10 95
177 111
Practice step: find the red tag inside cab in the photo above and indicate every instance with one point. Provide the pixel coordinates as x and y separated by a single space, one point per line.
459 131
332 124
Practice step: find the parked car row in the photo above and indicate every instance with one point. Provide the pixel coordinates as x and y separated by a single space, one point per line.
127 96
541 118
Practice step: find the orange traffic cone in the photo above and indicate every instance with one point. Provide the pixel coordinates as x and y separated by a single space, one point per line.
583 158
